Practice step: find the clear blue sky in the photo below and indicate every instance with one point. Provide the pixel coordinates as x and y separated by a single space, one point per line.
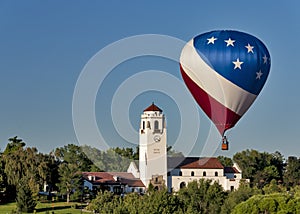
44 46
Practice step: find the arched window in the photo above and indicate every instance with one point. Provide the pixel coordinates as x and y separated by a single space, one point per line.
156 125
216 173
180 173
182 185
204 173
192 173
143 124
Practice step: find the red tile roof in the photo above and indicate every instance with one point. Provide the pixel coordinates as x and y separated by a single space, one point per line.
195 163
153 107
108 177
133 182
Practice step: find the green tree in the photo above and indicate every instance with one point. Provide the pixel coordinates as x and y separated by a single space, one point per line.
295 191
105 202
26 162
270 203
37 169
115 162
270 173
13 157
215 197
70 179
127 152
133 203
225 161
3 181
243 193
74 154
291 176
72 161
155 202
202 197
249 206
161 202
278 161
14 144
113 159
273 187
293 205
96 156
259 167
24 199
2 174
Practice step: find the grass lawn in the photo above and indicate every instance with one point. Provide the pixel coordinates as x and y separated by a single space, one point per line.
56 207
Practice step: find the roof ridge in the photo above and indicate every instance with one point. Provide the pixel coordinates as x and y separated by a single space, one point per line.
153 107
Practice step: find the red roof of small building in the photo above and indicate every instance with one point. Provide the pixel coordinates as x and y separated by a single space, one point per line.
133 182
153 107
108 177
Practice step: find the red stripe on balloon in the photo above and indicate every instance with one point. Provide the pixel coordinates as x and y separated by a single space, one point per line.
222 117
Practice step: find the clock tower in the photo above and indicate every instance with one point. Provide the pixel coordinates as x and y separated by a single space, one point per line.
153 147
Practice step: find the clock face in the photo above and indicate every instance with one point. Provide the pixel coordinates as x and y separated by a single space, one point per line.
156 138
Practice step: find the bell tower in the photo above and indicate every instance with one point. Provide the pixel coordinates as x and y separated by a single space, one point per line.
153 147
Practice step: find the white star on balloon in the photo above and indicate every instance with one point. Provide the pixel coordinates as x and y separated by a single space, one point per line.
229 42
237 64
211 40
259 74
265 58
249 48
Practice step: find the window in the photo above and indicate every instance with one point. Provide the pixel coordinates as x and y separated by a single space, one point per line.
204 173
216 173
182 185
156 125
231 188
117 189
169 173
192 173
143 124
180 173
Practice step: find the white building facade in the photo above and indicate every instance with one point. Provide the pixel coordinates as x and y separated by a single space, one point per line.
192 168
152 146
174 173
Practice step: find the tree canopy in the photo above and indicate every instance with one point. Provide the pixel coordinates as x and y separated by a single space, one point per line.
260 167
274 182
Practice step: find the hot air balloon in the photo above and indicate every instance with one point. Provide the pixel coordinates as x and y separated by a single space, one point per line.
225 70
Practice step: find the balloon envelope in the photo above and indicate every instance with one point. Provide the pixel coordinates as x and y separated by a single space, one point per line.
225 71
